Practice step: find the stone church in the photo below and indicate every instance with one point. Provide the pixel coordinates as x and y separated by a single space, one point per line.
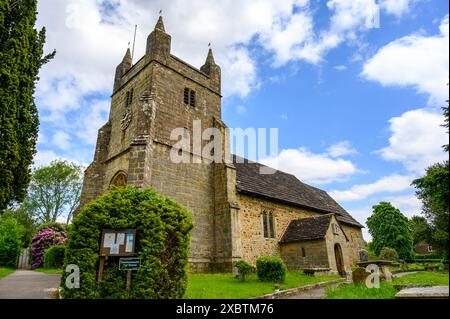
238 213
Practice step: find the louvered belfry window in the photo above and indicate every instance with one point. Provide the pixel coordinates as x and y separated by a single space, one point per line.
186 96
189 97
268 224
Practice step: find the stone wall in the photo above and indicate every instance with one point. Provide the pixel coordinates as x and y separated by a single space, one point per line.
254 244
355 244
316 255
343 240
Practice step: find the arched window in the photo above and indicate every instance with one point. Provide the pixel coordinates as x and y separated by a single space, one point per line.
119 180
271 228
265 223
268 224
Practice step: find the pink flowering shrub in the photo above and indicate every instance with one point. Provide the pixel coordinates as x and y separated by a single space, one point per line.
44 239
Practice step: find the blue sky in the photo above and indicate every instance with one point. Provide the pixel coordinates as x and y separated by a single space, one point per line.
357 106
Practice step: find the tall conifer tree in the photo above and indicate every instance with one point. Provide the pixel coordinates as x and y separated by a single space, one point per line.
21 57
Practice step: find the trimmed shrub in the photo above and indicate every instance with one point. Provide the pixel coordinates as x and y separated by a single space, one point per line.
10 244
243 268
46 237
427 256
388 253
54 256
271 269
162 242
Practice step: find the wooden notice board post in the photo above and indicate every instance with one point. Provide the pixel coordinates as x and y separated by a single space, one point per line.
117 243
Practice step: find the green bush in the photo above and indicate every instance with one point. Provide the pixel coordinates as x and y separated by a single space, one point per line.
427 256
430 260
270 269
388 253
162 243
243 268
54 256
10 244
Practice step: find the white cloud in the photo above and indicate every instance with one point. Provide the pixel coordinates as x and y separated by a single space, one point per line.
416 60
241 109
409 205
310 167
341 149
340 67
389 184
61 140
90 121
397 7
416 140
284 116
43 158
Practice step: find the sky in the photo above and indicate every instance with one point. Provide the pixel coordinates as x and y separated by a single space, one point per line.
355 87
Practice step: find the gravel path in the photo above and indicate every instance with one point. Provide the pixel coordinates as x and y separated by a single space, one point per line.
27 284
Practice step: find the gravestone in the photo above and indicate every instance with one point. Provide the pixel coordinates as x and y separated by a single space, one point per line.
359 275
363 255
386 273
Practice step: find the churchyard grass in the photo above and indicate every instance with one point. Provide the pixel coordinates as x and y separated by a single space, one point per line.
225 286
387 290
50 271
5 272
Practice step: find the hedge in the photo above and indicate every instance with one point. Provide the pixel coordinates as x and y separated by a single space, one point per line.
429 260
54 257
427 256
243 269
10 244
271 269
162 242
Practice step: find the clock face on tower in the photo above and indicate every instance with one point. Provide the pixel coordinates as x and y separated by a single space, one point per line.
126 119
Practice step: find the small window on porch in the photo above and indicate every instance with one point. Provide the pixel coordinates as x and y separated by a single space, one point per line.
335 229
303 252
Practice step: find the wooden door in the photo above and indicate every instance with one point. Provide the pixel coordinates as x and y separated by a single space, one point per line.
339 260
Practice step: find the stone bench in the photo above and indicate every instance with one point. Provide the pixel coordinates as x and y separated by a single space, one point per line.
317 271
436 292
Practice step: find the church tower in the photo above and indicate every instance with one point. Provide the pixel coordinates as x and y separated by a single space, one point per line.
158 94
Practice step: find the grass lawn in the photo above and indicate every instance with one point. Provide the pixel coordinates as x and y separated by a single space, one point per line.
225 286
386 290
50 271
5 272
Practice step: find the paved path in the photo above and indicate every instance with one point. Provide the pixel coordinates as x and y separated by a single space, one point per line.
401 274
316 293
27 284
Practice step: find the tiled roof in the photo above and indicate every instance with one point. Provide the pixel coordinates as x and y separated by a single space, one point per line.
310 228
286 188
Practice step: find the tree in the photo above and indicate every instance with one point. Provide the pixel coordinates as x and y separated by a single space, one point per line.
163 237
10 243
446 123
390 228
433 191
54 191
421 229
21 57
27 223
